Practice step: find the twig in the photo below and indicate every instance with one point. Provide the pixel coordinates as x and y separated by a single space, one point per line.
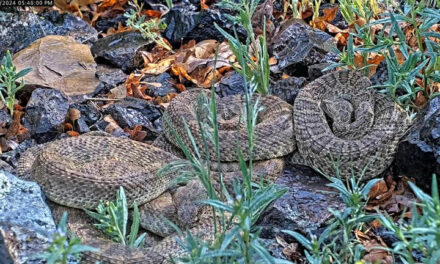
104 99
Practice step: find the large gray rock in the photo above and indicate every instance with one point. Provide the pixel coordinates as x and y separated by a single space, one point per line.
26 223
45 111
304 207
18 30
418 154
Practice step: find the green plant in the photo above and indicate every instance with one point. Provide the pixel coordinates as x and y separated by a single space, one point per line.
169 4
149 29
422 232
418 70
113 218
8 80
420 67
252 56
337 244
61 248
352 10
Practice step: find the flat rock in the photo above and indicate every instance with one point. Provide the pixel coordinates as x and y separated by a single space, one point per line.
26 223
45 111
304 207
134 111
109 78
121 50
60 63
299 44
18 30
160 85
418 153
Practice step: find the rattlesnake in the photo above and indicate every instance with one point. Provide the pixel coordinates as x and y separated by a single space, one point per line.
82 171
79 172
338 118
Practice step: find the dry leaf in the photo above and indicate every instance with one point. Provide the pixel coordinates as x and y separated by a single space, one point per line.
329 15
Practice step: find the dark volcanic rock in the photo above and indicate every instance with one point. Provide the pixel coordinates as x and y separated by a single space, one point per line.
21 29
105 24
298 45
12 156
287 89
305 205
89 113
185 23
109 78
232 83
121 49
133 111
5 119
418 154
26 222
45 111
315 71
381 74
160 85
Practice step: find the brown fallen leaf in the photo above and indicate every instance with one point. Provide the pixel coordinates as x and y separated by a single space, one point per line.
136 133
329 15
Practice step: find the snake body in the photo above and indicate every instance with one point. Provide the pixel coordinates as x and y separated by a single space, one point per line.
80 172
339 121
334 116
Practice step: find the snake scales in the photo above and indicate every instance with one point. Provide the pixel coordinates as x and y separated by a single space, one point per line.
334 115
80 172
338 119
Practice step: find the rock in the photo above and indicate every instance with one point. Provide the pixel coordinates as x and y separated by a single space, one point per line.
232 83
418 153
12 156
305 205
4 166
60 63
26 222
287 89
315 70
161 85
134 111
89 112
119 92
107 23
381 74
45 111
298 45
121 50
109 78
21 29
5 118
185 23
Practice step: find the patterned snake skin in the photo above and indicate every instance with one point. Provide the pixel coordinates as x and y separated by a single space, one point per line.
338 118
